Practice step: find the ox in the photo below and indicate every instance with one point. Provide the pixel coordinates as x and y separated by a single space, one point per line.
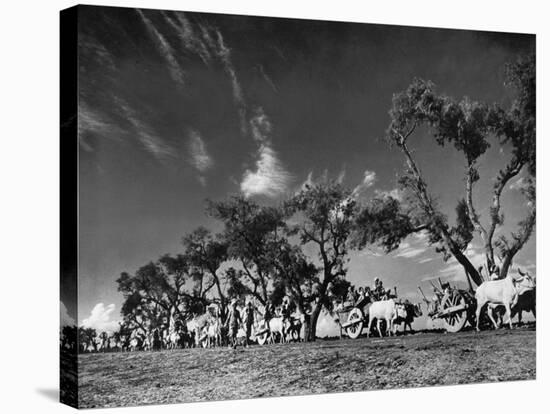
503 292
276 328
410 311
384 310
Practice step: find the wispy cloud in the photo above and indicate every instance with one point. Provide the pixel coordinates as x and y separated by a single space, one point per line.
198 155
425 260
369 178
151 142
407 251
341 176
200 158
520 184
269 177
101 318
92 121
94 48
224 53
208 43
394 193
267 78
165 49
190 38
307 182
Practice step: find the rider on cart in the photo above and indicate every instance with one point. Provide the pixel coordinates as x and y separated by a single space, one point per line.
378 290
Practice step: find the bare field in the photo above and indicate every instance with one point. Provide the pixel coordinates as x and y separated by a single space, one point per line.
187 375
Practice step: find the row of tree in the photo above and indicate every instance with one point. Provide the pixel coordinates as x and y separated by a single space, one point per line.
260 251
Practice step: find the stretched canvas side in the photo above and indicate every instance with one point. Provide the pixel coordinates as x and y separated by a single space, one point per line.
68 208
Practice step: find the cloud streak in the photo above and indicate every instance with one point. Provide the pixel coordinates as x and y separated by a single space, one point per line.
190 39
224 54
269 177
165 48
91 121
407 251
200 158
150 141
369 178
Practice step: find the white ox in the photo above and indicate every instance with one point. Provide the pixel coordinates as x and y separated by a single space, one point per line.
277 329
384 310
503 292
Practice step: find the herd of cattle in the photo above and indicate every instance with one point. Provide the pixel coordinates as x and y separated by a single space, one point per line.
510 296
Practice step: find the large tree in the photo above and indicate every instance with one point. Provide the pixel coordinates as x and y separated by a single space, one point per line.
295 274
205 254
171 287
251 232
471 128
326 215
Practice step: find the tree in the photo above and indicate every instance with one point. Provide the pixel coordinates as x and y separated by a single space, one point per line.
294 275
69 336
327 214
87 336
160 291
470 127
205 255
251 233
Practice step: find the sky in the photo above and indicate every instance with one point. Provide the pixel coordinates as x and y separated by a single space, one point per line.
176 108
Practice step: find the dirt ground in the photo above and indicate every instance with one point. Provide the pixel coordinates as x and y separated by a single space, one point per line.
186 375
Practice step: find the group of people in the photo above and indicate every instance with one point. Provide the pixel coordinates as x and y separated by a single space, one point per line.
375 293
235 320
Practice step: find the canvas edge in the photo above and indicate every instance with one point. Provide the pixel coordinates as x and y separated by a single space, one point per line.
68 146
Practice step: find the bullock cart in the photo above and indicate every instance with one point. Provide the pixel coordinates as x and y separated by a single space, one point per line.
455 307
356 317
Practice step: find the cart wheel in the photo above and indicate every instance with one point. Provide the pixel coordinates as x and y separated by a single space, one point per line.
456 321
294 335
355 330
262 339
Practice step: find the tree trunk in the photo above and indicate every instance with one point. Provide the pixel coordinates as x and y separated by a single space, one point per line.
426 201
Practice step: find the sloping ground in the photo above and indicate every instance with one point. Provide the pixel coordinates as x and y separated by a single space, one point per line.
119 379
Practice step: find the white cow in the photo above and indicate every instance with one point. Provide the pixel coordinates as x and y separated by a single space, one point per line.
277 328
384 310
503 292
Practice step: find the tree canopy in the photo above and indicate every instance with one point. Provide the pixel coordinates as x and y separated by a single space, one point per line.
471 128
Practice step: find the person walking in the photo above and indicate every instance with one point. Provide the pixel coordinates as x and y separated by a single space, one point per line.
249 321
233 322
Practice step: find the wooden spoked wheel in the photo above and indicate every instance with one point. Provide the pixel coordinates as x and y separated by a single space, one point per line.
294 334
456 320
262 327
355 330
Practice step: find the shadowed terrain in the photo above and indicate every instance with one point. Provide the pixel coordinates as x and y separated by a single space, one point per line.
119 379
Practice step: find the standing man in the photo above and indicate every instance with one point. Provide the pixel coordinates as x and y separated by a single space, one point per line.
233 323
249 320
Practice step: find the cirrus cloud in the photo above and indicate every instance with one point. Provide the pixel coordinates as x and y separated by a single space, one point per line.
269 176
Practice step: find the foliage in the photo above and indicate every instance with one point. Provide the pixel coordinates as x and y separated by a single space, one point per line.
327 214
471 128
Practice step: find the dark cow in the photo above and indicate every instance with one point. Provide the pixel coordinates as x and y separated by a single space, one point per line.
411 311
